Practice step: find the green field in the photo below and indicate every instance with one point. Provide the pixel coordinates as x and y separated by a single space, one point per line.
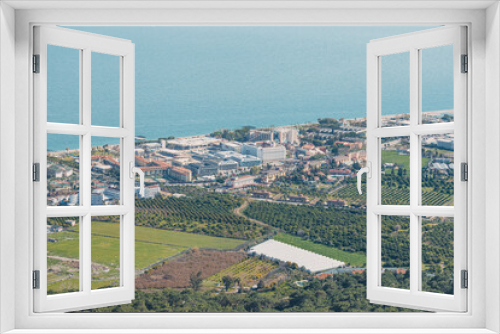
401 160
395 157
151 246
105 249
170 238
354 259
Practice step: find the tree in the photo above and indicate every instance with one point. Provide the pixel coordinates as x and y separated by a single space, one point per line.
228 282
254 170
196 280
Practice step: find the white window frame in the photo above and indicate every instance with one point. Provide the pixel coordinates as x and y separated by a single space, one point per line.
484 49
86 44
413 43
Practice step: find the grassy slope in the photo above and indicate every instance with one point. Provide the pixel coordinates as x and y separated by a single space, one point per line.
395 157
171 238
151 246
355 259
105 249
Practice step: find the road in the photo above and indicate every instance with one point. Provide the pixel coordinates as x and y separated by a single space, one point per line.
239 212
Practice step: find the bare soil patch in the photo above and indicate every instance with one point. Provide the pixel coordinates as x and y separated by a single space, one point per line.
176 273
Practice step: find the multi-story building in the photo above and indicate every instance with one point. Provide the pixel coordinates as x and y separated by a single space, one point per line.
203 168
259 135
231 146
262 194
151 146
111 162
292 136
58 171
266 152
181 174
191 143
226 165
149 192
246 161
112 194
288 135
342 159
241 181
97 198
446 144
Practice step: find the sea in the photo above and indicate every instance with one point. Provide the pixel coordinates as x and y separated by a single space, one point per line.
196 80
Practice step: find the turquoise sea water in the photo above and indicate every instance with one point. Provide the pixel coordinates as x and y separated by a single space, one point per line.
194 80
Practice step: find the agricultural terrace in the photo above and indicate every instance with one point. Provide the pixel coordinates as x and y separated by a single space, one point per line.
344 229
208 214
151 246
178 272
310 261
247 272
434 192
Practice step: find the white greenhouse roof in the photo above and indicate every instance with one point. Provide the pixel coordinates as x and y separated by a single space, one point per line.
284 252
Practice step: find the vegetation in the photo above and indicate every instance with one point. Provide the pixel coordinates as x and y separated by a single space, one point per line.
353 259
344 229
395 242
435 194
151 246
177 273
211 214
339 293
437 255
240 135
63 258
247 272
170 238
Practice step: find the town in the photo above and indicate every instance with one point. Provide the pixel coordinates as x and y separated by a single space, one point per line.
256 210
315 161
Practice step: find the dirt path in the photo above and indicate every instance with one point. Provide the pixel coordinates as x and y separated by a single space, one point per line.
239 212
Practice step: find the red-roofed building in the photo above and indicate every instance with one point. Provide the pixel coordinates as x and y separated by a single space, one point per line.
140 161
358 271
180 173
308 147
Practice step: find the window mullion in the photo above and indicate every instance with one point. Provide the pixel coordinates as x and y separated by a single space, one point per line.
414 170
86 167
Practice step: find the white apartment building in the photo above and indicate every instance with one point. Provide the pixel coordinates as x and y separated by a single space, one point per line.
265 153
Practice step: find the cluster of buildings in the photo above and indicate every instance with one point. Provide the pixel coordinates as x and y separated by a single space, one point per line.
444 142
204 158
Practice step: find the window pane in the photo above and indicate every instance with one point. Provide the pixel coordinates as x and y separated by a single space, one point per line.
395 252
395 169
437 254
63 85
105 90
63 255
105 252
437 169
105 171
63 170
437 84
395 89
